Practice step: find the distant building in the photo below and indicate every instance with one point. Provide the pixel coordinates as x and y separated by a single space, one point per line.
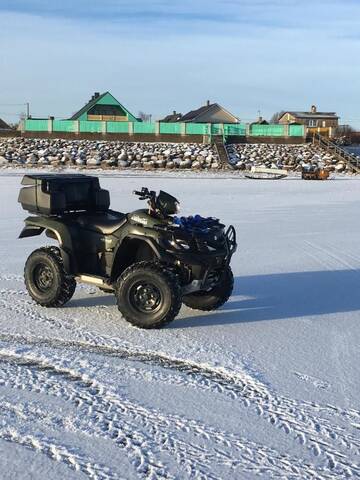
4 125
173 117
260 121
104 107
312 119
209 113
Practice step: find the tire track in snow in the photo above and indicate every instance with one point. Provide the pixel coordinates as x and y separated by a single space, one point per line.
332 257
40 377
107 345
254 457
292 417
296 418
60 453
18 302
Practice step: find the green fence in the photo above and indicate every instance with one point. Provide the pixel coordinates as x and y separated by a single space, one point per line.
144 127
236 129
267 130
36 125
217 129
177 128
69 126
88 126
171 128
296 130
197 129
117 127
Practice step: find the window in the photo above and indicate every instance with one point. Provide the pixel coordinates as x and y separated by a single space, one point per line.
312 123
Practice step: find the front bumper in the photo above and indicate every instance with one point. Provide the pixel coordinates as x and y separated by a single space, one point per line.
200 268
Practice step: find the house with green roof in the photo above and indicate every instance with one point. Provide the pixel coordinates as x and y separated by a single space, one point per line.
105 108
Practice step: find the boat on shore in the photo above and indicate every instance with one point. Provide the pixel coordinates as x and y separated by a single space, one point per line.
263 173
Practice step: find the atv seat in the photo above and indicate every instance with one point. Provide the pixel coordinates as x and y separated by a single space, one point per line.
105 223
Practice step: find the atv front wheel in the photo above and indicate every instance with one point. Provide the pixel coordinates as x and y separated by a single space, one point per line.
214 298
46 279
148 295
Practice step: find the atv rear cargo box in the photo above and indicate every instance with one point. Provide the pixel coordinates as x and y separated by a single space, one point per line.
63 193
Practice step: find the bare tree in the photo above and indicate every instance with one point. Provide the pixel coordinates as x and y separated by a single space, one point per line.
276 117
344 130
145 117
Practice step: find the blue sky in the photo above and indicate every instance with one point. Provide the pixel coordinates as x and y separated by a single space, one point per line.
157 56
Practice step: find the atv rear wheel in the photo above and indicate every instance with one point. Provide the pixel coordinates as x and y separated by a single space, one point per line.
214 298
46 279
148 295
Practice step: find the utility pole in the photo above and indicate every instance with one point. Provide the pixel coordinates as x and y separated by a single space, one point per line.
27 109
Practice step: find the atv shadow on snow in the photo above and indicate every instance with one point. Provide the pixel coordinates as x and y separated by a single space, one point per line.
267 297
88 301
283 296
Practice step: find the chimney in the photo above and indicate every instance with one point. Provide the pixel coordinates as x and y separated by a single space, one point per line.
208 103
313 109
260 119
174 112
96 94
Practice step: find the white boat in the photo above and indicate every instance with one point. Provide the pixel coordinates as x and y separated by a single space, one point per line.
263 173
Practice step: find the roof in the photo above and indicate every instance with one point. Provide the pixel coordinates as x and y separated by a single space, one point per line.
208 109
188 117
312 114
87 107
173 117
261 121
4 125
93 102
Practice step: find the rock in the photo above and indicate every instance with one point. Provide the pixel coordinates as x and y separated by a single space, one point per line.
185 163
93 153
92 162
149 165
123 156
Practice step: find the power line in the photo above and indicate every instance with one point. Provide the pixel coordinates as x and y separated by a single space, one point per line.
12 104
11 113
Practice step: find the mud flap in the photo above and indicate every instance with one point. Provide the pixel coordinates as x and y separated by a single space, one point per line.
31 231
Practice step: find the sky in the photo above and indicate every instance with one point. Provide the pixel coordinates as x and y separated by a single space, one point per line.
157 56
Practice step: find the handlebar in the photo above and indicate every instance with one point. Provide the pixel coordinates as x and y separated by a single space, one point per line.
145 193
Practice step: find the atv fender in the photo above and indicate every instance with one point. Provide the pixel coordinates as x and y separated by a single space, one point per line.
36 225
121 256
148 240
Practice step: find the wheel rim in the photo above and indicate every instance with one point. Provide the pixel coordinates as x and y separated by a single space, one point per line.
43 277
145 297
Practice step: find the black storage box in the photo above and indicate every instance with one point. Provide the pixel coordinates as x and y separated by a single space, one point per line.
63 193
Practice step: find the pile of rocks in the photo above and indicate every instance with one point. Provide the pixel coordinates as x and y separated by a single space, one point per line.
290 157
105 154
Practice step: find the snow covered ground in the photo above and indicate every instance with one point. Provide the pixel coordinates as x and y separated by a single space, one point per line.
266 387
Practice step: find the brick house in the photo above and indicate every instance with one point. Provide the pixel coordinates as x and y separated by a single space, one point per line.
321 122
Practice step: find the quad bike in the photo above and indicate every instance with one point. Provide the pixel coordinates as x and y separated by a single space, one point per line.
151 259
314 173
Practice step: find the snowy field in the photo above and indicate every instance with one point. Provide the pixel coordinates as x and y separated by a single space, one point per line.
267 387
